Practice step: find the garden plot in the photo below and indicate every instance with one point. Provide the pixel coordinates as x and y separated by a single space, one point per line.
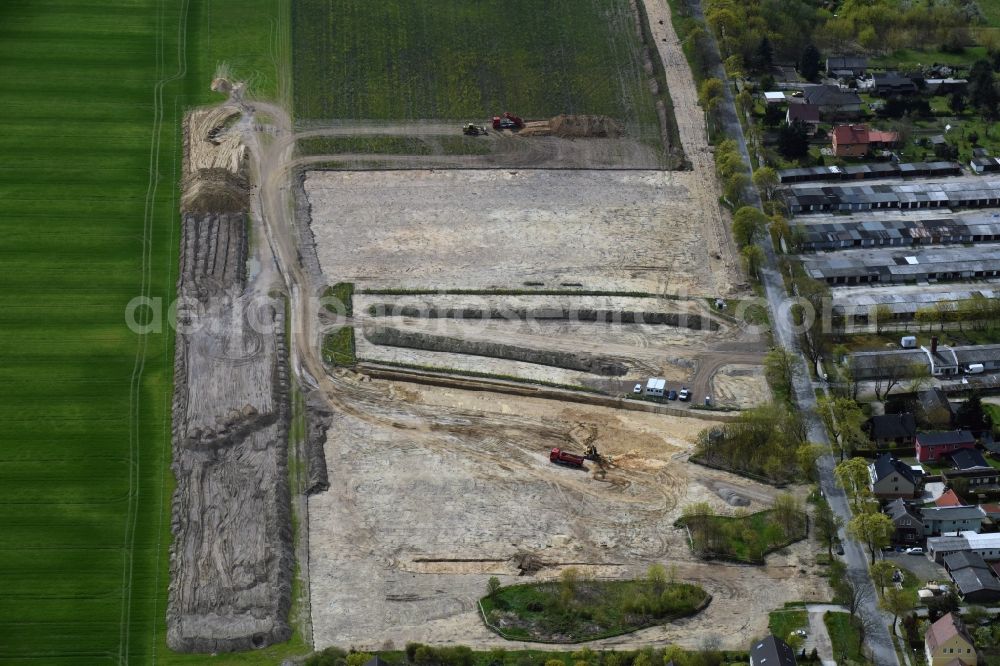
601 230
417 519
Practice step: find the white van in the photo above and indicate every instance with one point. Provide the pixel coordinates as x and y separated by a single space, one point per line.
908 342
975 369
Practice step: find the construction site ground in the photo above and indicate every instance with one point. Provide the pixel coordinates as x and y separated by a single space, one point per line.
435 489
599 230
685 355
418 518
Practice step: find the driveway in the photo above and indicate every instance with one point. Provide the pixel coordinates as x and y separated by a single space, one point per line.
819 637
918 565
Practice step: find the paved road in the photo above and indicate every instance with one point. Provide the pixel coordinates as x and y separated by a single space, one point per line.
879 641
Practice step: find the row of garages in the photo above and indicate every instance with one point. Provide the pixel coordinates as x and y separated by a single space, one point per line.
854 267
870 171
905 196
977 228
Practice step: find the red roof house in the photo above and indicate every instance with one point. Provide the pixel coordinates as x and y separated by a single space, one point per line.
857 140
949 498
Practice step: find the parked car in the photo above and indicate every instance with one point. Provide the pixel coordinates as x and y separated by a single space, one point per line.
637 388
684 395
800 632
671 395
915 551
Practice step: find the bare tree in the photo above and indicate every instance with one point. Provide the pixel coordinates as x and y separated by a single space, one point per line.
857 596
889 374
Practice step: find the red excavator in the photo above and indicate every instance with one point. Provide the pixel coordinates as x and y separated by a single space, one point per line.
508 121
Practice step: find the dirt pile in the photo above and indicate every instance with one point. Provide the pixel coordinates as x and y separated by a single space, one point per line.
576 126
584 362
215 190
214 163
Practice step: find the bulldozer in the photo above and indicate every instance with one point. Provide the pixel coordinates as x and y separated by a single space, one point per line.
471 129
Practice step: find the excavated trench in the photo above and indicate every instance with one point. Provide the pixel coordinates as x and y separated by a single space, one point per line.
231 560
692 321
582 361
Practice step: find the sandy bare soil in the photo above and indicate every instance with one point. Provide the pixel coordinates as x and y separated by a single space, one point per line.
740 386
415 522
600 230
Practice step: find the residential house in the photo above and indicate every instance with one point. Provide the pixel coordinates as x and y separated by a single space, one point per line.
974 580
969 464
946 86
885 84
881 139
892 430
986 545
909 526
771 651
846 66
965 459
832 101
947 640
933 446
858 140
934 408
850 140
805 113
992 511
890 478
949 498
951 519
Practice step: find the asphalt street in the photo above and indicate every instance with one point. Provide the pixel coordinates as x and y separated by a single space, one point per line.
855 558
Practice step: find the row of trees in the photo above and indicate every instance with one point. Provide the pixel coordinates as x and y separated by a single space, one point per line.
757 33
769 441
730 168
751 35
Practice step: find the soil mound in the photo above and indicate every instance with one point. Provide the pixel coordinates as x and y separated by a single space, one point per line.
215 191
574 126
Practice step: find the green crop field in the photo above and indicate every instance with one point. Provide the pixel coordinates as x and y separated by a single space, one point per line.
93 95
453 59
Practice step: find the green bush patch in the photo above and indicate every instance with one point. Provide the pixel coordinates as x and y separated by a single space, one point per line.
743 538
338 347
573 610
339 298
